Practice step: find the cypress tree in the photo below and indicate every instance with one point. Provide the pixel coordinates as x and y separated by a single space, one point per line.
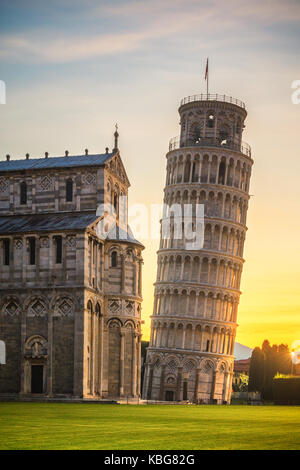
264 365
256 371
284 363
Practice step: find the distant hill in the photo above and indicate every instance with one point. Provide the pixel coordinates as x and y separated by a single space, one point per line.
241 351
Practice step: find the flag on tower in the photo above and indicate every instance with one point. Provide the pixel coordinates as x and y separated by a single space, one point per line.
206 70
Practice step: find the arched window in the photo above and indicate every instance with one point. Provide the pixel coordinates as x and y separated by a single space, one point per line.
32 250
114 259
90 307
222 171
98 309
23 193
211 120
58 249
2 352
224 133
194 134
187 170
69 190
115 201
6 252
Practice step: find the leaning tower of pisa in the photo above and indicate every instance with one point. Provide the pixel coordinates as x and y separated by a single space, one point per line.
190 355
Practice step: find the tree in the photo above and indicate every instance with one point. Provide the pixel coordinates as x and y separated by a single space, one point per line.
284 363
256 371
270 368
264 365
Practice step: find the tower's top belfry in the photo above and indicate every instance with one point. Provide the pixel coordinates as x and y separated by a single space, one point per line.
211 120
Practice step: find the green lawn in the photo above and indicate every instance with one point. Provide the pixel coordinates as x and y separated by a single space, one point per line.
93 426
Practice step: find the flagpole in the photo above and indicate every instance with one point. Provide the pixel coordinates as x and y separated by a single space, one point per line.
207 78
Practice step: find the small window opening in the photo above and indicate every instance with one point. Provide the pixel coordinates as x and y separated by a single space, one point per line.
23 193
211 121
31 250
6 252
222 170
114 259
58 251
69 190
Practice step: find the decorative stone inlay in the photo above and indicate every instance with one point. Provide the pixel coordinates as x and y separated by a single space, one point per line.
188 366
46 183
114 306
172 365
130 306
37 309
11 308
89 178
4 183
71 241
64 308
18 243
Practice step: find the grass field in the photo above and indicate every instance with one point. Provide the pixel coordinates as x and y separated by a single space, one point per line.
151 427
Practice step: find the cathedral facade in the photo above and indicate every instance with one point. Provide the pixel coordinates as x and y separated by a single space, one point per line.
190 356
70 294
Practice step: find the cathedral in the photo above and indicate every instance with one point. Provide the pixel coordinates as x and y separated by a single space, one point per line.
70 295
197 292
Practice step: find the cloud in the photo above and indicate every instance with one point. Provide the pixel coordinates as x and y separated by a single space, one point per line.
65 49
270 11
149 21
54 47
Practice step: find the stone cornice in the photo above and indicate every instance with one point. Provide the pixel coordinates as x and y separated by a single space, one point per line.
187 319
202 253
206 186
219 151
202 286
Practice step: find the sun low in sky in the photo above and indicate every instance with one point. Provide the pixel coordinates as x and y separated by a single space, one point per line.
72 69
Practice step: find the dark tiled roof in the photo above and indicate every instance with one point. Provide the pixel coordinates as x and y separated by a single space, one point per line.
46 222
54 162
119 234
60 221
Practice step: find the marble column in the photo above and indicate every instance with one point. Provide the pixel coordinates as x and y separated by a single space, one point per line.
198 372
162 382
178 384
122 357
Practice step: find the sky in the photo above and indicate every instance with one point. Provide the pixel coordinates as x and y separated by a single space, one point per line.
74 68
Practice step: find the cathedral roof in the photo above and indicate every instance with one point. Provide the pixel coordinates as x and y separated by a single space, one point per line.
46 222
32 223
120 234
54 162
